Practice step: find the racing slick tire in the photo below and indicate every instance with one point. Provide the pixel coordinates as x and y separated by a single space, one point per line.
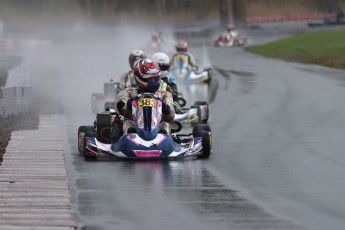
204 112
202 127
103 127
209 74
83 132
181 101
206 142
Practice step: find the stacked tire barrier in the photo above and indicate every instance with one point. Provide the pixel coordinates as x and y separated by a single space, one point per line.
15 90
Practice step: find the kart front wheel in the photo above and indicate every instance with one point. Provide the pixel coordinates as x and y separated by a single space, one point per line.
83 132
206 142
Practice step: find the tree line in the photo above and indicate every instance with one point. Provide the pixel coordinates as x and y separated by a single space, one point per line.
109 11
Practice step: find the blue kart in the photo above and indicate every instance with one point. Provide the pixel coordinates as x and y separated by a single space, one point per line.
146 141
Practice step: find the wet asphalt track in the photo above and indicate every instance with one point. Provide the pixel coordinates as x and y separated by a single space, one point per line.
277 163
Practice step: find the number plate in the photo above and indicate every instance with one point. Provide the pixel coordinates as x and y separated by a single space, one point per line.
146 102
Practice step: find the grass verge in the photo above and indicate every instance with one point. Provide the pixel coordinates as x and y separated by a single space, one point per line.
322 48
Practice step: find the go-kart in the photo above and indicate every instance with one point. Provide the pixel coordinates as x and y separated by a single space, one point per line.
146 141
234 42
183 71
196 114
111 89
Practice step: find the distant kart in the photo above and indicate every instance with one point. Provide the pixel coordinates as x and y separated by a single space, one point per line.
235 42
146 141
111 89
182 71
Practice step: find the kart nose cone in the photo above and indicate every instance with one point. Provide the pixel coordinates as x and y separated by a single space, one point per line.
148 153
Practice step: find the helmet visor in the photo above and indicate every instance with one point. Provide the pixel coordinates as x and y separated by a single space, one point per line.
164 67
152 79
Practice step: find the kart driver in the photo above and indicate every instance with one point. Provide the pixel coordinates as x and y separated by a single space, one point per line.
156 42
148 79
163 62
182 52
127 79
230 33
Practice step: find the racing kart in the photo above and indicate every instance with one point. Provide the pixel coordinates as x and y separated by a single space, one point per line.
234 42
196 114
183 71
110 90
146 141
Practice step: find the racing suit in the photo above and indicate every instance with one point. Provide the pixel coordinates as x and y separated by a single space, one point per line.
170 80
127 80
184 55
121 107
230 36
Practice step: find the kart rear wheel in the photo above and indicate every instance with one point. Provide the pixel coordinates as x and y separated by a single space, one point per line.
83 132
206 142
203 127
103 127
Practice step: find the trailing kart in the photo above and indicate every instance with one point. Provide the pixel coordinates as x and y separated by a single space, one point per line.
111 89
234 42
196 114
146 141
183 71
180 101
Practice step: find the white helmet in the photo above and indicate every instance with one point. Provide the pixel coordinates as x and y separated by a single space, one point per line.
163 62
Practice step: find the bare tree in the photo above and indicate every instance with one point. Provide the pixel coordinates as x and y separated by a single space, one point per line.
223 12
239 13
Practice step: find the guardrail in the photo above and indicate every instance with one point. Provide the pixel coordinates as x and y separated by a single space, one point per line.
15 83
16 95
15 101
20 45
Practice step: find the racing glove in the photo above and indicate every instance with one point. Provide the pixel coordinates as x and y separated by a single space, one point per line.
118 118
175 96
165 108
127 112
129 104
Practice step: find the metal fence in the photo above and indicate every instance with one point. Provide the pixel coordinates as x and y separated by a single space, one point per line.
16 94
